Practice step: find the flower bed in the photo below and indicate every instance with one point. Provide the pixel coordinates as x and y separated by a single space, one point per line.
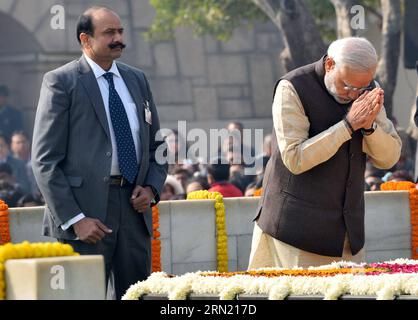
383 280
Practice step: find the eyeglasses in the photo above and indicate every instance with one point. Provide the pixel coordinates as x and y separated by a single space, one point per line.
355 89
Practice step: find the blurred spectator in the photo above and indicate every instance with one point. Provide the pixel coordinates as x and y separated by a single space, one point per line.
21 149
373 171
18 166
238 177
30 200
249 191
172 187
176 147
218 176
400 175
236 129
10 117
10 192
182 175
196 184
372 183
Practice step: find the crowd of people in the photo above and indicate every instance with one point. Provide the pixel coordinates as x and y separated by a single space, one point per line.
224 174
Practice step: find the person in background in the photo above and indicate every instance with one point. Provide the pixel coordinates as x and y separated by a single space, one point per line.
10 117
17 165
196 184
218 176
10 191
30 200
172 188
182 175
21 149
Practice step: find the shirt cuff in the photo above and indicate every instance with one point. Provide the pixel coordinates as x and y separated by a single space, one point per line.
72 221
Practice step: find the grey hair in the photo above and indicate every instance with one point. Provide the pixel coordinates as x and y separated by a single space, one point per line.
354 52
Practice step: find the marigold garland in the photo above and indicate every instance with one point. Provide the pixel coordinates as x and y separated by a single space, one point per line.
413 204
156 242
258 192
4 223
296 272
26 250
222 237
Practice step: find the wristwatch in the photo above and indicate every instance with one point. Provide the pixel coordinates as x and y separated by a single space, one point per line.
368 132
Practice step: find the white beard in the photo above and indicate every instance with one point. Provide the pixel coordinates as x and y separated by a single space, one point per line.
330 85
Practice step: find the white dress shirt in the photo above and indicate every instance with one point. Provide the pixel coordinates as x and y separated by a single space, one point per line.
131 112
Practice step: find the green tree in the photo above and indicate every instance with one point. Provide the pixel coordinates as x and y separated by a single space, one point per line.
305 25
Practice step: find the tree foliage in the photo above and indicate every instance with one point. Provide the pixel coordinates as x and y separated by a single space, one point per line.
213 17
219 18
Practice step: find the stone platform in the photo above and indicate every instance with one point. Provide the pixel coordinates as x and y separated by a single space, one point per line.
188 230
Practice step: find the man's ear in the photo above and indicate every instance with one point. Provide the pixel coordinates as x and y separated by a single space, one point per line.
329 64
85 40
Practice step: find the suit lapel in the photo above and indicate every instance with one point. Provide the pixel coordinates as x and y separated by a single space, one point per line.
89 82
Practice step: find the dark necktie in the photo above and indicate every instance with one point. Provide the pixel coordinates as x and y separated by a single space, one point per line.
124 142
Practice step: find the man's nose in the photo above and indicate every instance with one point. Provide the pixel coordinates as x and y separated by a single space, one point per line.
118 37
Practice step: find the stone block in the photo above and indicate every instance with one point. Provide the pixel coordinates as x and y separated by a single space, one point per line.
242 40
230 92
182 268
175 113
211 44
171 91
6 5
191 53
262 84
206 103
58 278
235 109
242 210
193 231
244 250
227 69
52 40
143 13
165 59
387 221
143 49
385 255
165 219
34 13
269 42
232 248
166 259
26 224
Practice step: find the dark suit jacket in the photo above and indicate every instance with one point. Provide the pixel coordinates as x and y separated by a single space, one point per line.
416 103
72 151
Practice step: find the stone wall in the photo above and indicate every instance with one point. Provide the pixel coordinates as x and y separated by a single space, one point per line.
197 79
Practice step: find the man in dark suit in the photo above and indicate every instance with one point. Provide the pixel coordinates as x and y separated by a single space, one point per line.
93 155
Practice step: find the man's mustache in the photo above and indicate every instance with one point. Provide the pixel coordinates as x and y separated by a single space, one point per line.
117 44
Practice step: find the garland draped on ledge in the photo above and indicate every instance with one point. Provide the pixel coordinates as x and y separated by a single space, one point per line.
4 223
155 241
222 237
413 204
26 250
